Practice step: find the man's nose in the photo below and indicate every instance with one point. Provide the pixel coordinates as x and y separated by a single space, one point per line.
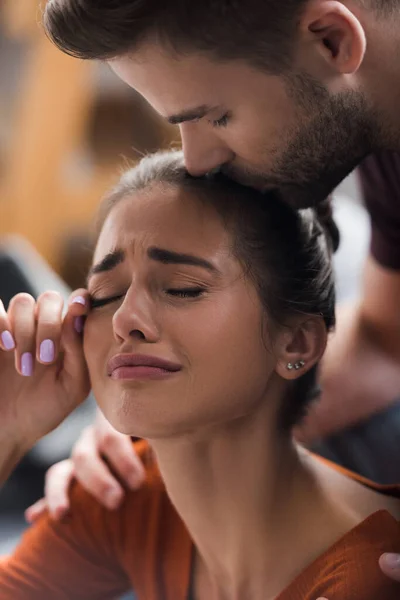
203 151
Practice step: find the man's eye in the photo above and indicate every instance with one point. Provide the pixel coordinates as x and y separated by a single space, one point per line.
186 292
222 122
99 302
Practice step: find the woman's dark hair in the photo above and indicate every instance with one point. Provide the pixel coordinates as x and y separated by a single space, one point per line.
286 252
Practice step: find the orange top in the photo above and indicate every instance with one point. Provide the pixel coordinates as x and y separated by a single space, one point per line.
100 554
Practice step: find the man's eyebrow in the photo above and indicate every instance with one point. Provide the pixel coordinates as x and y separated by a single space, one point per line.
191 114
109 262
168 257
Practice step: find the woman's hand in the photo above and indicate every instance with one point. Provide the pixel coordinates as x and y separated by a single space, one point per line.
43 371
97 444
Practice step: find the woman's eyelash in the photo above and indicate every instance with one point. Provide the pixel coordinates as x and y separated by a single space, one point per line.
186 292
222 122
177 293
99 302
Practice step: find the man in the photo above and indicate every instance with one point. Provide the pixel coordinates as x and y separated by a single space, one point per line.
290 95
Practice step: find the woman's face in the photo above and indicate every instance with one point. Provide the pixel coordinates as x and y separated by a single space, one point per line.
179 345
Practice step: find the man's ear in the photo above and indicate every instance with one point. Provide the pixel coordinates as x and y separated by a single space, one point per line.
336 33
300 347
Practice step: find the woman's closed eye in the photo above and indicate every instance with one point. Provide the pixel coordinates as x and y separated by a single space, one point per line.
189 292
99 302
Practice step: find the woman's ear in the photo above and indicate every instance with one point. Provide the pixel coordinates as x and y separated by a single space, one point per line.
337 34
300 347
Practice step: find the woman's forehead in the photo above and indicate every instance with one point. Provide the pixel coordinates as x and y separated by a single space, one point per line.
164 218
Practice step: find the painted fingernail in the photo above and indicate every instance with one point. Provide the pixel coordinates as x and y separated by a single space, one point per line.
112 499
7 340
79 300
47 351
27 364
78 324
392 560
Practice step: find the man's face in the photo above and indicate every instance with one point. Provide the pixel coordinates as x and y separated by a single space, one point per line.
263 130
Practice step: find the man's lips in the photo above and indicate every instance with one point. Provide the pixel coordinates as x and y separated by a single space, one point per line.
125 366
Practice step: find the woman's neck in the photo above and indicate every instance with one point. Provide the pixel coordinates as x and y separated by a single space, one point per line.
248 501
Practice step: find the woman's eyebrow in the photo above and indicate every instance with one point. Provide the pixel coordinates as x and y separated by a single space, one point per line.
168 257
109 262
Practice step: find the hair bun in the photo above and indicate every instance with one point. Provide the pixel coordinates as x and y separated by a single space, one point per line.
324 214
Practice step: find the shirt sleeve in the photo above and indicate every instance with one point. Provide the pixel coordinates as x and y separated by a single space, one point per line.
380 184
75 559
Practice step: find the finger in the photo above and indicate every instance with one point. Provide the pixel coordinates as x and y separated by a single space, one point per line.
21 314
121 455
79 298
57 483
390 565
74 363
93 474
35 511
7 341
49 308
78 308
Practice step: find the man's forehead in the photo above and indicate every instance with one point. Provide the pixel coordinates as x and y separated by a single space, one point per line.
175 84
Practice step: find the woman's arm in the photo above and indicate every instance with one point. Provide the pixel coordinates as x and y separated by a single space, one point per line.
43 374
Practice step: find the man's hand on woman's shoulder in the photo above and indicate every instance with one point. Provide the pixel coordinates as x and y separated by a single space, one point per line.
103 461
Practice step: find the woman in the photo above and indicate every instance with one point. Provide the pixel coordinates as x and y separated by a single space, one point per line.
210 310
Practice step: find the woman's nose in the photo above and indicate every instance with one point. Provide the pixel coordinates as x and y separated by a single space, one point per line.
135 318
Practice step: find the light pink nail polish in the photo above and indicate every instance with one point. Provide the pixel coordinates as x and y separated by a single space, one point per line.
27 364
8 340
79 300
47 351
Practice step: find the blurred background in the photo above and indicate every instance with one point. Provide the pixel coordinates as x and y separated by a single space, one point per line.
66 129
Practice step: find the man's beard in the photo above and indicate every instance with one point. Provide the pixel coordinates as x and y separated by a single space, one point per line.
335 133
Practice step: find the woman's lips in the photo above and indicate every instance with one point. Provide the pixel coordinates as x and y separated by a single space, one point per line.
140 366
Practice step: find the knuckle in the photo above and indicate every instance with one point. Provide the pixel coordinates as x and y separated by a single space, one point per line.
109 440
101 487
50 301
51 296
23 299
128 465
52 472
79 457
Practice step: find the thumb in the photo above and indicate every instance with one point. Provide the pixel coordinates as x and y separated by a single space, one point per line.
390 565
74 363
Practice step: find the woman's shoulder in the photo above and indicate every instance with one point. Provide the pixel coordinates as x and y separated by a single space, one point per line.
145 532
349 568
358 494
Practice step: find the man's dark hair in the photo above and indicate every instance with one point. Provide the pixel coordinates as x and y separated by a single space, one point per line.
262 32
259 31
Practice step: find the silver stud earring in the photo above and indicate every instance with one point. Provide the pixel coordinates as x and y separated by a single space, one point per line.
297 365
